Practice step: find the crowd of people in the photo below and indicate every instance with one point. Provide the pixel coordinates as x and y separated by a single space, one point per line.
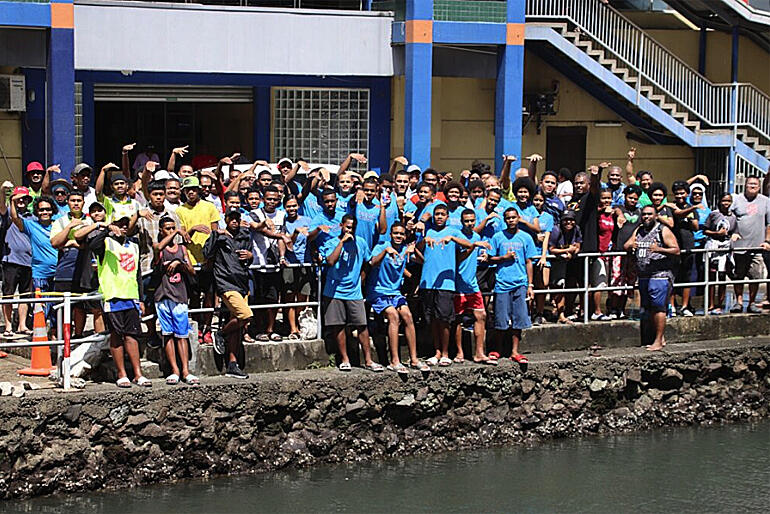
396 250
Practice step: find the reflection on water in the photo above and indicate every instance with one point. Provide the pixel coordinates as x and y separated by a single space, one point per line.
717 469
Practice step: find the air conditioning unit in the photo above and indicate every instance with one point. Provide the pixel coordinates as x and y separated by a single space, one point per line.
13 93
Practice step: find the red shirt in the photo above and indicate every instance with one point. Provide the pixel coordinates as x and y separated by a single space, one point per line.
606 227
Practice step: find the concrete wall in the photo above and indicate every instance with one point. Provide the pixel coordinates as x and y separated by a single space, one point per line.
463 124
210 39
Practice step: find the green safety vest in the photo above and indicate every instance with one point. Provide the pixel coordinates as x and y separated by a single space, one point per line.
117 270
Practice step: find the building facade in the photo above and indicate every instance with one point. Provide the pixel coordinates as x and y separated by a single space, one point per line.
443 82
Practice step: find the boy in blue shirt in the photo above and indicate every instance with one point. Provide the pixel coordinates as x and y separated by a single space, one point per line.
342 299
325 225
468 298
440 247
371 218
453 191
421 212
388 266
513 251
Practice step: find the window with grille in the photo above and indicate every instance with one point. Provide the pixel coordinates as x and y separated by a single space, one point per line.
321 125
78 122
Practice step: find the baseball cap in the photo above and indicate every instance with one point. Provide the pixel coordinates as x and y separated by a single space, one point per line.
20 190
189 182
413 168
82 168
568 214
370 174
161 175
96 206
285 160
117 177
233 212
35 166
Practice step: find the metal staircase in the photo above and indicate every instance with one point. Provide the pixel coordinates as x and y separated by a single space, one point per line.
663 88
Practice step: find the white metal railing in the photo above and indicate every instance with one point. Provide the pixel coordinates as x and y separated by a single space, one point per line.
743 170
659 67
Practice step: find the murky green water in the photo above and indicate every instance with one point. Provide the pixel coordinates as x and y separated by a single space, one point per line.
716 469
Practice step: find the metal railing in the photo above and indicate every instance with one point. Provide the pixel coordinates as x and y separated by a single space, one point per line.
654 63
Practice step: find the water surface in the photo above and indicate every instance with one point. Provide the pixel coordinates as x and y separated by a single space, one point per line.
706 469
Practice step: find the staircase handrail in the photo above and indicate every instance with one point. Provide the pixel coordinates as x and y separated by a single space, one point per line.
711 102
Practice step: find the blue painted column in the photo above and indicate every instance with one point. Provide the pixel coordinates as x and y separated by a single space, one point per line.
509 91
60 87
262 126
419 78
732 160
379 123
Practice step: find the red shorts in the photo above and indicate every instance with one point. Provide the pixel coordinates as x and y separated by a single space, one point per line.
468 302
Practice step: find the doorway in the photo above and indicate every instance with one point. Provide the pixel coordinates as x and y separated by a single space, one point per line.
566 148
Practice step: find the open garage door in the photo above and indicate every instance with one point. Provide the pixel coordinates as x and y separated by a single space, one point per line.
213 120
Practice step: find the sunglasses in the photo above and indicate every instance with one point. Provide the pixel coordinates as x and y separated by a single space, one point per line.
60 192
44 209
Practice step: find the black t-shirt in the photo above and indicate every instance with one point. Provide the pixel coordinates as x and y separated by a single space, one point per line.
633 218
683 229
587 218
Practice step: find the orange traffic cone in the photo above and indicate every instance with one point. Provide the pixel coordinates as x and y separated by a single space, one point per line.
41 355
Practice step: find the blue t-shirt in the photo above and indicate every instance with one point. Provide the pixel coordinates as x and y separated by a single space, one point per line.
440 268
512 274
44 256
310 207
332 222
343 203
528 214
466 270
298 254
343 280
493 226
546 225
420 211
367 216
388 276
456 217
391 215
555 207
698 236
63 210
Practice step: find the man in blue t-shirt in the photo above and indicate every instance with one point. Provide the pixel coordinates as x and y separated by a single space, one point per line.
437 285
489 221
371 218
343 302
388 266
421 212
453 192
468 299
513 251
326 225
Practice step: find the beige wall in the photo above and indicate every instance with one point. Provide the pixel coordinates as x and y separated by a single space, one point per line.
463 124
753 62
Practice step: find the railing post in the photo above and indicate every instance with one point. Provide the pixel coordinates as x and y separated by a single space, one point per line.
319 335
66 369
639 56
585 291
706 283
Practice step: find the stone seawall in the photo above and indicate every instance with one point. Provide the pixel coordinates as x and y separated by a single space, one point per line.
54 442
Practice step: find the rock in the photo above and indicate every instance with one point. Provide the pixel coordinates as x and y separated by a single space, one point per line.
643 403
634 376
406 401
527 386
152 430
598 385
118 415
622 412
17 391
73 413
739 367
352 408
6 388
670 379
137 421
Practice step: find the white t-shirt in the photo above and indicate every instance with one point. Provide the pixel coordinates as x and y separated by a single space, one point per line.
262 245
564 191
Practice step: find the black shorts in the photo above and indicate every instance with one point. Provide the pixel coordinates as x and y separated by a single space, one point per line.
16 275
124 323
203 282
566 272
297 280
485 275
438 305
266 286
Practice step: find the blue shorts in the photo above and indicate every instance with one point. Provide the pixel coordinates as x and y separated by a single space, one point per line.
654 293
381 303
173 318
511 310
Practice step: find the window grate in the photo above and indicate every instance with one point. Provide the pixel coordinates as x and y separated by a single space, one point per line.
320 125
78 122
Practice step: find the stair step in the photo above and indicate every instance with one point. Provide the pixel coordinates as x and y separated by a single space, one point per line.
658 99
692 124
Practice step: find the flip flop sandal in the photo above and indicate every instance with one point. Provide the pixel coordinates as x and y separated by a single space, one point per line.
8 334
345 366
520 359
444 362
172 379
487 362
123 383
398 368
376 367
433 361
420 366
276 338
191 380
263 338
458 360
143 382
494 355
295 336
248 339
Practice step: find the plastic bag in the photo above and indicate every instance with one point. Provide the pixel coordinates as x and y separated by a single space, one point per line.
308 325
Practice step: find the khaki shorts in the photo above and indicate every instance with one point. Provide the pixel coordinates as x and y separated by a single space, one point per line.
237 304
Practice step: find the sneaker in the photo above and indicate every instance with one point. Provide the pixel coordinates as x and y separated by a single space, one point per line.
219 343
687 313
612 316
753 309
670 312
622 315
539 320
234 371
599 317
